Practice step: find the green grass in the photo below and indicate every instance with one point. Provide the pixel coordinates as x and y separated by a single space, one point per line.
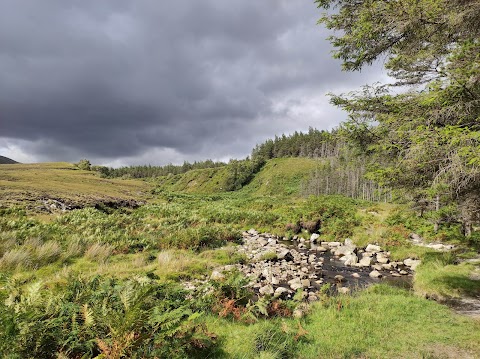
382 322
439 277
282 177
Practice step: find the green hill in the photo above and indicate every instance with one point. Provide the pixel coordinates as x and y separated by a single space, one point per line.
33 184
6 161
280 176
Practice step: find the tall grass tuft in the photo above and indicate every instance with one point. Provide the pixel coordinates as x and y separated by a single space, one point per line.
16 258
99 252
75 248
48 252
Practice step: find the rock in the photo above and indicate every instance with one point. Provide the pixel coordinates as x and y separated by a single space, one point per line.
321 249
312 297
275 280
333 244
415 237
339 278
343 290
305 283
216 275
394 274
280 291
266 290
295 284
355 275
351 260
252 232
437 247
285 255
343 250
349 242
373 248
387 266
262 242
382 260
375 274
403 272
377 267
314 237
412 263
365 261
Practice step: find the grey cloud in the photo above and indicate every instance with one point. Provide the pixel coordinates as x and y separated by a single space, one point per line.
123 79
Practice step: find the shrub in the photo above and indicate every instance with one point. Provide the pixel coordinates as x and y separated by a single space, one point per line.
84 165
311 226
293 227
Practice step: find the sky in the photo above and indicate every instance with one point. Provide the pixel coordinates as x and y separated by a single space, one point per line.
124 82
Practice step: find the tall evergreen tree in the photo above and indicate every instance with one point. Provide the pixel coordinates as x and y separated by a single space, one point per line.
430 134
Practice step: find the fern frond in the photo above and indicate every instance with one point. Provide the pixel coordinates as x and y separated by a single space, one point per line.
87 316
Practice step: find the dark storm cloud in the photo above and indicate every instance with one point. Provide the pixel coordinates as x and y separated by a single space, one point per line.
133 79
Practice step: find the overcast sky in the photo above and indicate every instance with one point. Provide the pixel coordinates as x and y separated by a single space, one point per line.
135 82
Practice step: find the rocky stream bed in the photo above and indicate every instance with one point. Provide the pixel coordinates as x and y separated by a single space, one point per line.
279 267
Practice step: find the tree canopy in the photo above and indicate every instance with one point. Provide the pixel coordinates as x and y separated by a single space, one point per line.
427 132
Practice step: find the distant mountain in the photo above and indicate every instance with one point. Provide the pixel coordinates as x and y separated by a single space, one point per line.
6 161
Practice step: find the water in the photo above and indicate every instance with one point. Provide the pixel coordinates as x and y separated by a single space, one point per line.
354 278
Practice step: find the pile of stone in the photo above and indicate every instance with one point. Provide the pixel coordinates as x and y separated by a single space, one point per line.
280 269
419 241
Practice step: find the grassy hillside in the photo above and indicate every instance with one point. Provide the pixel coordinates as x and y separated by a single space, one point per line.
30 184
6 161
204 181
281 176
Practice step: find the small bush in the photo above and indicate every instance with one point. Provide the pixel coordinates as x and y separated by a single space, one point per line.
230 296
293 227
311 226
84 165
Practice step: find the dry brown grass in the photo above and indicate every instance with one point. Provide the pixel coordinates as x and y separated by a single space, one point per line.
34 182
